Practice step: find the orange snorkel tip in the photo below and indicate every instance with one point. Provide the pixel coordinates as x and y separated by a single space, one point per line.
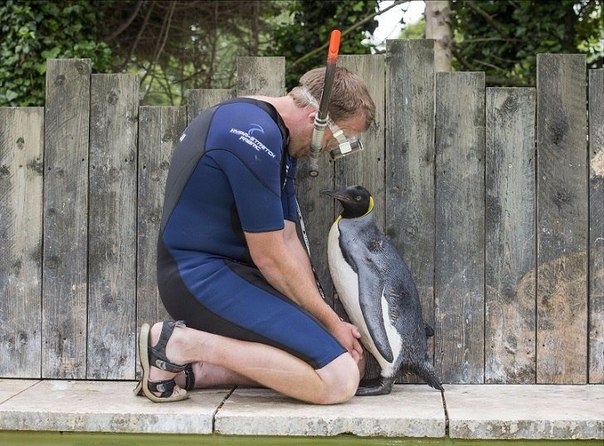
334 46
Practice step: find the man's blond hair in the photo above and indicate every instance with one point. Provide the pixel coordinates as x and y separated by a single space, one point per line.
349 94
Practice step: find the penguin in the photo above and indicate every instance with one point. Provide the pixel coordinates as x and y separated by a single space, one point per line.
378 293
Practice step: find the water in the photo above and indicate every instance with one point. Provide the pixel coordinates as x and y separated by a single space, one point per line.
25 438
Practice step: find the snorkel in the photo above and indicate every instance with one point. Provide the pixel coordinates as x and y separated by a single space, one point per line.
321 116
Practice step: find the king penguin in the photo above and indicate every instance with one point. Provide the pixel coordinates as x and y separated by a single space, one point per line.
378 293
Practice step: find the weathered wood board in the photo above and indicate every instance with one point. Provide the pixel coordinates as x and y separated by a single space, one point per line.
261 76
112 226
21 176
159 131
510 256
459 243
409 167
596 226
562 219
65 261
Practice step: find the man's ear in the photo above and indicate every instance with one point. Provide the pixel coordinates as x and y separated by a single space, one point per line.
311 116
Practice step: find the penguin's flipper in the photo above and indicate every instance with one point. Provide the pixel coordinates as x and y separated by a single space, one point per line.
377 386
371 295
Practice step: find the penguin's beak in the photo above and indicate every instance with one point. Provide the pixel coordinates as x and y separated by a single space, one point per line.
337 194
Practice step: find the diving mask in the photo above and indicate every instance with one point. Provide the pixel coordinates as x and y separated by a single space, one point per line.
347 145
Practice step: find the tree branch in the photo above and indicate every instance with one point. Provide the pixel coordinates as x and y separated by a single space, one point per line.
138 38
477 9
127 23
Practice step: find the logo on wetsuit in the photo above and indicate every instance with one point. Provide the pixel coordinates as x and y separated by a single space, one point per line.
247 138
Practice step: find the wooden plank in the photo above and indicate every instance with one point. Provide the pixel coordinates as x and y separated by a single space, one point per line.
112 227
459 255
65 254
510 256
21 174
562 219
198 100
159 130
596 226
409 167
260 76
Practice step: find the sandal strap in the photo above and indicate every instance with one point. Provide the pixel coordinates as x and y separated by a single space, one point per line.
157 353
189 377
166 387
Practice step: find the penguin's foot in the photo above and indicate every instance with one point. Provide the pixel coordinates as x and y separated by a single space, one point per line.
376 386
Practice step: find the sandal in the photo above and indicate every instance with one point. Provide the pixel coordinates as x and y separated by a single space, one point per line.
156 357
189 381
189 377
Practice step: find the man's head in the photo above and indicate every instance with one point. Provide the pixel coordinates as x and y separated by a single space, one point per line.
349 96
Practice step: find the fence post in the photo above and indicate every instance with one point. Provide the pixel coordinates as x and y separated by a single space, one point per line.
409 166
562 219
65 258
158 133
459 256
21 177
510 258
112 227
596 226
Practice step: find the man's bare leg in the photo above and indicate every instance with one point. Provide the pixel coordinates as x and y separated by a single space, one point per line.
261 364
210 375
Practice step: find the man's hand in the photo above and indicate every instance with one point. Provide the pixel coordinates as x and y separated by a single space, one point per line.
348 335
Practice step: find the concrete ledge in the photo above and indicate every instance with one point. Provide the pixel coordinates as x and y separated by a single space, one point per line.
525 411
499 412
102 406
409 411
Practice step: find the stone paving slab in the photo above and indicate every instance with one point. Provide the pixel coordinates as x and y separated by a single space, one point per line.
11 387
102 406
525 411
409 411
548 412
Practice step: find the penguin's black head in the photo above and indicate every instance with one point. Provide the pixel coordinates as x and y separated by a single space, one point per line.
356 200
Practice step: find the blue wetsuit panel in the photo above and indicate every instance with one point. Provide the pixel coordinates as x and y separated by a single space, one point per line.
238 178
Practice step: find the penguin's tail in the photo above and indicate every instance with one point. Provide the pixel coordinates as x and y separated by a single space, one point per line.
427 373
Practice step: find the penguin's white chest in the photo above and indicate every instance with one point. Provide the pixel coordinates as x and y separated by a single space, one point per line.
344 279
346 283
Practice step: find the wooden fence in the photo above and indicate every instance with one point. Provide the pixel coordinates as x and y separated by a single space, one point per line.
495 196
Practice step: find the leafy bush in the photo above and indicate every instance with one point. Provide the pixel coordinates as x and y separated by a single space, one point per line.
33 31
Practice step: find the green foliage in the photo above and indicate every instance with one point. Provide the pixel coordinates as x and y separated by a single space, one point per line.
415 30
503 38
33 31
307 28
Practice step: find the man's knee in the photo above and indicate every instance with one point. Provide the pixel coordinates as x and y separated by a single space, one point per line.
341 377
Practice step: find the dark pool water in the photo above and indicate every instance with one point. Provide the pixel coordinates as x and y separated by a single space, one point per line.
14 438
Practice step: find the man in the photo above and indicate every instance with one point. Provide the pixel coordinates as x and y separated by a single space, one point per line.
230 263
